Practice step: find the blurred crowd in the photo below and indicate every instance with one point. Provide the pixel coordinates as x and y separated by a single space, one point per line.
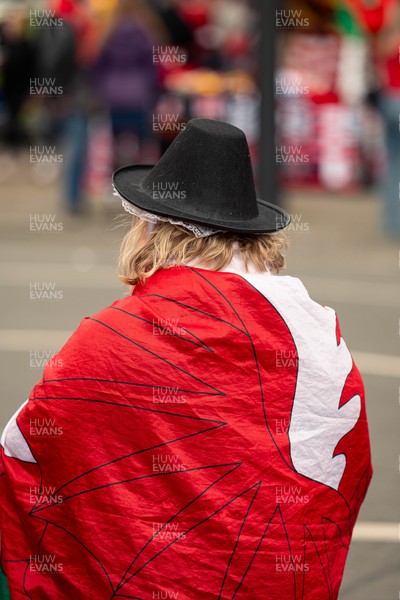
108 82
340 75
89 85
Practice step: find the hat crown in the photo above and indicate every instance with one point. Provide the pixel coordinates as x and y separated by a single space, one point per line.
208 167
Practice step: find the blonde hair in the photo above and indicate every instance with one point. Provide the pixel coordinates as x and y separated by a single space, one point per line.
170 245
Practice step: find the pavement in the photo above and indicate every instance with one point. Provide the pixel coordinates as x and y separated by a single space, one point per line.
336 249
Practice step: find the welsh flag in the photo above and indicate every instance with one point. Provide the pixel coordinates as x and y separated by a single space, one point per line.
204 438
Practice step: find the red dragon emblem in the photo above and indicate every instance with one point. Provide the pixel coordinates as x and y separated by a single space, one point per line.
163 457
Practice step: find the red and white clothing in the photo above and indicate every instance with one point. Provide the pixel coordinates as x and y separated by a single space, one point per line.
204 437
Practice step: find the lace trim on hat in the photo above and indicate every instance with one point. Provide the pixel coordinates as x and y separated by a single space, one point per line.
198 230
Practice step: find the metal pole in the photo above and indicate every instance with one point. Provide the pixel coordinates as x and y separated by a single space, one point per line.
267 164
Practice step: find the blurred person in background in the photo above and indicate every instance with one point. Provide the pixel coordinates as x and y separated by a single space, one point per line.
16 63
126 78
325 101
388 62
234 30
203 50
220 32
308 99
64 55
381 20
178 31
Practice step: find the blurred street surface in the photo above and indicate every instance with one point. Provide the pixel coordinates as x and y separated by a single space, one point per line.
336 249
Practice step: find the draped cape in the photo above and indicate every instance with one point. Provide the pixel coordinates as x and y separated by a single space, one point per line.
202 438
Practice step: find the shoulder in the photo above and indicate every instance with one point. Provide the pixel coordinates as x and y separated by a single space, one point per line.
90 342
290 298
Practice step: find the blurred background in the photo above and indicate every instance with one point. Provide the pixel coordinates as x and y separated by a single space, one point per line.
88 86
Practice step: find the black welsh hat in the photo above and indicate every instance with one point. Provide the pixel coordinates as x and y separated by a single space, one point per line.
205 177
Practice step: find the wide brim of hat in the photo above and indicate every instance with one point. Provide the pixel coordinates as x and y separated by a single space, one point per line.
128 183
